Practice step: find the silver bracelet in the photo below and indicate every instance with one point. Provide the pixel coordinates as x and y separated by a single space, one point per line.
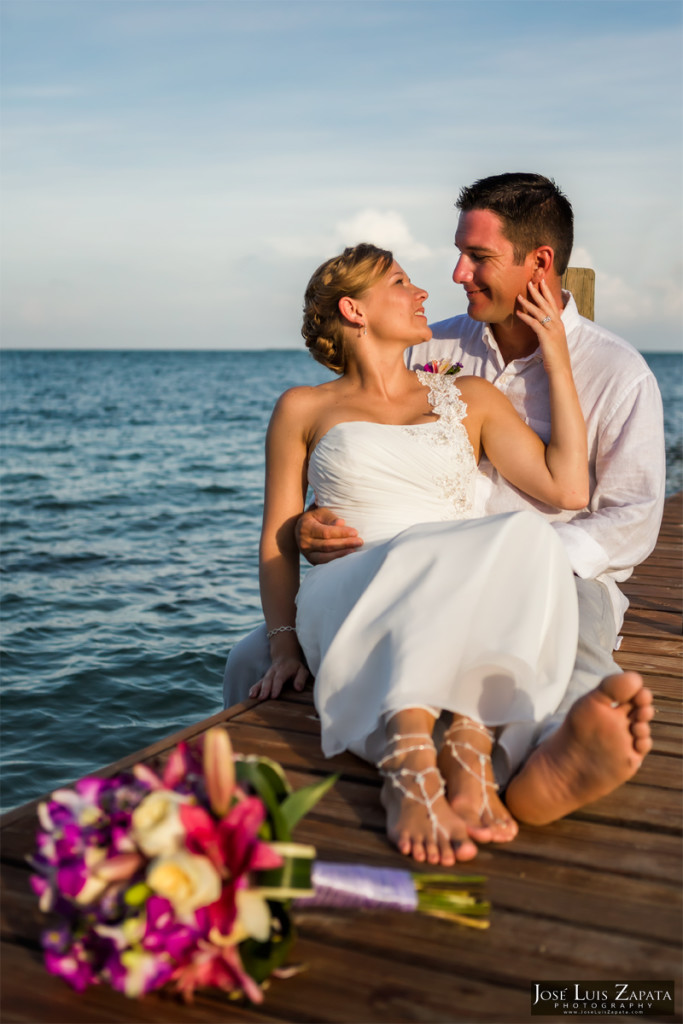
280 629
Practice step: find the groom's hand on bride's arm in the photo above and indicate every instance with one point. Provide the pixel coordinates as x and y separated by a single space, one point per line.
323 536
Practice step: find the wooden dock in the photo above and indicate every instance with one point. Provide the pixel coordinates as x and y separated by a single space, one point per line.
596 897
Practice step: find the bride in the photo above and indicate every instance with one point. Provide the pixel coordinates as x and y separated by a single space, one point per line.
447 638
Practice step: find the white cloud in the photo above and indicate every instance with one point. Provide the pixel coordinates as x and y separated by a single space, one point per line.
385 228
634 308
652 301
581 257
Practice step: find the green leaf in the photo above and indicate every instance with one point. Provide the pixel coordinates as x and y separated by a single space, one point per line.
299 803
454 904
453 897
260 959
268 769
295 873
259 778
440 883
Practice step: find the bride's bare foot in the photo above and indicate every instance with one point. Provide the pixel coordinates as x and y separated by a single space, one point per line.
419 819
600 745
471 790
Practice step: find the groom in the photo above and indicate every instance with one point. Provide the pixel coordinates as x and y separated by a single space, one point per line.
514 229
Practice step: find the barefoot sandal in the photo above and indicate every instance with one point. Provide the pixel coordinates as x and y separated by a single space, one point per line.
396 776
455 746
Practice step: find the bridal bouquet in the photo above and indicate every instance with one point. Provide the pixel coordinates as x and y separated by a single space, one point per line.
188 877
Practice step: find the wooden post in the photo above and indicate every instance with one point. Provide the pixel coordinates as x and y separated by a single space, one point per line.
580 281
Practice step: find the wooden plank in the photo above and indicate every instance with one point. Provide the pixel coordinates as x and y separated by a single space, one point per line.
580 281
654 586
30 995
349 984
646 807
651 623
668 711
663 646
660 770
665 687
543 946
650 664
656 563
642 595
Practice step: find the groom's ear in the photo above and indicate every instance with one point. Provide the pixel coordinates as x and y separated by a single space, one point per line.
542 263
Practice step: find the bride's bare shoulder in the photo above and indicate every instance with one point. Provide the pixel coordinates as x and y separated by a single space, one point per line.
304 402
474 385
481 397
476 389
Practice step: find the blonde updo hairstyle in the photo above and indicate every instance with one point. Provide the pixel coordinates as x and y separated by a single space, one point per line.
352 273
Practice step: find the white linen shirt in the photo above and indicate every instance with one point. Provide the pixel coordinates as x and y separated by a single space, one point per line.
622 406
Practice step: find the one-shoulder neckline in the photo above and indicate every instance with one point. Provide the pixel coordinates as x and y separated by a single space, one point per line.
428 380
372 423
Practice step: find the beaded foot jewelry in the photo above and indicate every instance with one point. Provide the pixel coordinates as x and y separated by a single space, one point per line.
456 746
396 776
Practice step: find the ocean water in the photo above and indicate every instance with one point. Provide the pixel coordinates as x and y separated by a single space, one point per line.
131 500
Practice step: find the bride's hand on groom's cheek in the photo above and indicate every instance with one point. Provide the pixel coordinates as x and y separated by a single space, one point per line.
280 672
322 536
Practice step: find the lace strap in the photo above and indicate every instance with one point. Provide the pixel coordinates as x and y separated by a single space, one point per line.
444 395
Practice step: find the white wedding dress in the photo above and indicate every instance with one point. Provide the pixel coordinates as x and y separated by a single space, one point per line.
437 609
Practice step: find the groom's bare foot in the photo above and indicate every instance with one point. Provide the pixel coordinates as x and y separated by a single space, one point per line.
465 763
419 819
600 745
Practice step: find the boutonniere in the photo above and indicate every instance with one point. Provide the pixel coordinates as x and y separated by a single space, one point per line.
441 366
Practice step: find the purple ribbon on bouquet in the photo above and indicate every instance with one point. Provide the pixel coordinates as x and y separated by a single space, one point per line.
353 885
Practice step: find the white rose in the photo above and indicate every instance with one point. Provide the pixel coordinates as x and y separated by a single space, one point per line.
157 828
253 913
187 880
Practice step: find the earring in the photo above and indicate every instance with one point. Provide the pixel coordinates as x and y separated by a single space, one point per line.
365 330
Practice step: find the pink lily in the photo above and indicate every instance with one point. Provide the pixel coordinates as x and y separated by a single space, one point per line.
220 967
176 767
234 848
231 844
147 776
219 770
176 770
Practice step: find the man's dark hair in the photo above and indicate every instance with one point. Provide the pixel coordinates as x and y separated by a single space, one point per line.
532 209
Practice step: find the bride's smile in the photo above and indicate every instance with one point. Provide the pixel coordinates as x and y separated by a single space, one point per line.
393 308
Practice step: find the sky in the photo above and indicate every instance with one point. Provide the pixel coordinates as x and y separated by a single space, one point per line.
174 170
